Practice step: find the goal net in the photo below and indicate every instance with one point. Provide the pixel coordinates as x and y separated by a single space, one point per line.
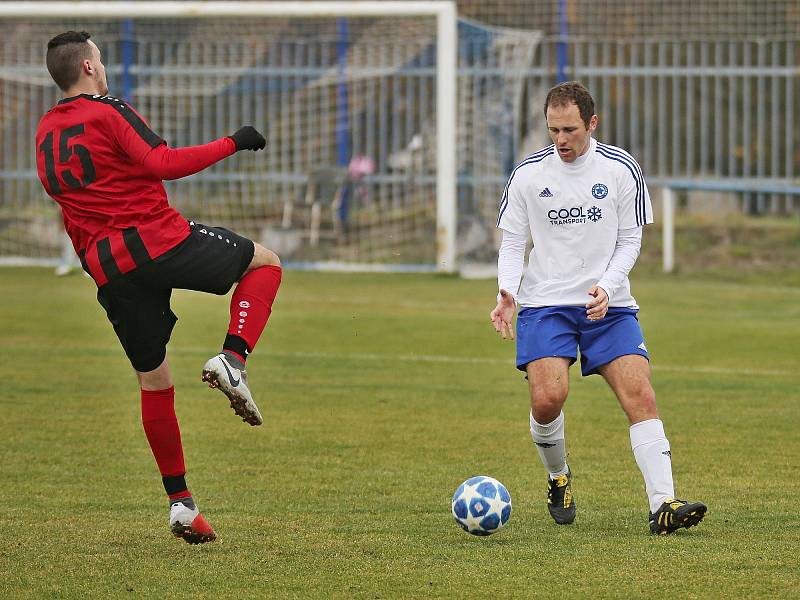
366 141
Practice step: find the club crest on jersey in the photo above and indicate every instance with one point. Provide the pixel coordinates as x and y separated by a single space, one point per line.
599 191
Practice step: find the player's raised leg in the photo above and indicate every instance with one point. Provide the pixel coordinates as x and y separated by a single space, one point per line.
251 306
629 377
548 380
164 436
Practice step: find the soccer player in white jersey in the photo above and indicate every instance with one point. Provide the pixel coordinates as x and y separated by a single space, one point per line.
583 204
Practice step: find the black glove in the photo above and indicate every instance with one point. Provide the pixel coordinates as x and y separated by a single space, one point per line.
248 138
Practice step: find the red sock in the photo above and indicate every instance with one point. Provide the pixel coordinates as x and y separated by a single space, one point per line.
251 306
163 433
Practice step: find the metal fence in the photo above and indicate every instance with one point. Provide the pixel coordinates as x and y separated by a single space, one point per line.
706 110
717 20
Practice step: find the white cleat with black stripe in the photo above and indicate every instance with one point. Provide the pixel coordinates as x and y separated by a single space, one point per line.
220 373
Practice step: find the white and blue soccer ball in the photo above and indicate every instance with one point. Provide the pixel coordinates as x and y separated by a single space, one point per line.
481 505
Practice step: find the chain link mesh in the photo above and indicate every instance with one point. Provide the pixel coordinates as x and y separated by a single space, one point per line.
678 19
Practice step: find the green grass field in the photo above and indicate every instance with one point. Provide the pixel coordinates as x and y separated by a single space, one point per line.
382 393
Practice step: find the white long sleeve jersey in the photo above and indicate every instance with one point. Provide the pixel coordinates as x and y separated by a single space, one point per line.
573 213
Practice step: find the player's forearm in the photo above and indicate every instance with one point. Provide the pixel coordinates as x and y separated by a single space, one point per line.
626 251
511 261
174 163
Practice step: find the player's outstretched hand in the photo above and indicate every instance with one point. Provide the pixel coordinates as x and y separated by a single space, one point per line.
503 315
597 307
248 138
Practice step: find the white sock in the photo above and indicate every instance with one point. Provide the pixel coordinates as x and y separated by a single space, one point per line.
652 453
549 440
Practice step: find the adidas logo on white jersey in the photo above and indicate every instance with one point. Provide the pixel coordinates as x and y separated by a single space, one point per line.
546 193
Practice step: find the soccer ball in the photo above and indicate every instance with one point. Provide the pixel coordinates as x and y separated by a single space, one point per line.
481 505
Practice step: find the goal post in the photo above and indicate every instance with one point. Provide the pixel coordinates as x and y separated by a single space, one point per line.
442 154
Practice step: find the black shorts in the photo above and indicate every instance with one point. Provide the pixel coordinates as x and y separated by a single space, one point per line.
210 260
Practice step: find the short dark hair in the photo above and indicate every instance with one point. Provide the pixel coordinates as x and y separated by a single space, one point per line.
64 55
570 92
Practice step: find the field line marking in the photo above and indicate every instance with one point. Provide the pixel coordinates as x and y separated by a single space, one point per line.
499 361
476 360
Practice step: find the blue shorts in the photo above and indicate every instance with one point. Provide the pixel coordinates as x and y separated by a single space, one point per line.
562 330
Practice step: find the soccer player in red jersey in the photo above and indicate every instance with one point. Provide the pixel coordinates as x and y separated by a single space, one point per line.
98 158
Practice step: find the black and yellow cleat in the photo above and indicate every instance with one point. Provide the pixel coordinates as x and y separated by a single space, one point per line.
560 502
675 514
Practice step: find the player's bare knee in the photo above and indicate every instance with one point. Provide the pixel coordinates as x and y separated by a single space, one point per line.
644 394
272 258
648 401
159 378
547 402
263 257
641 405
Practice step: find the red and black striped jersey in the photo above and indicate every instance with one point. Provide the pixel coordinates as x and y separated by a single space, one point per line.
98 158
